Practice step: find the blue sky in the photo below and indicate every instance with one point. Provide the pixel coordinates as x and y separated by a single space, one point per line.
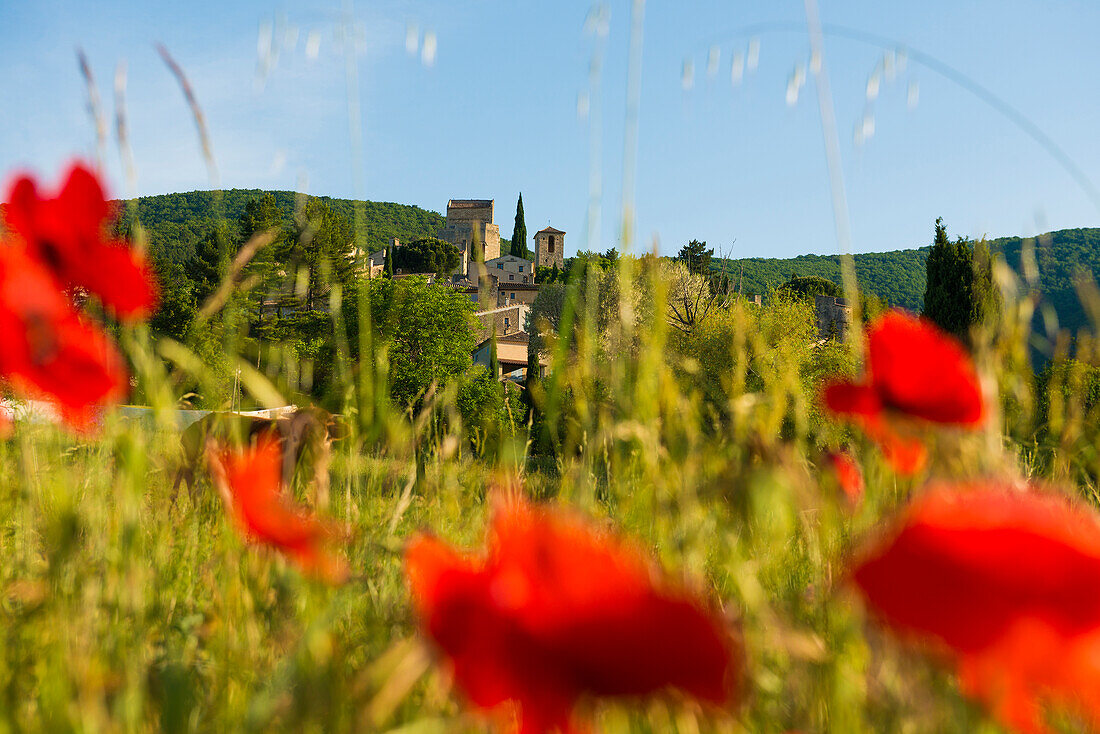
498 112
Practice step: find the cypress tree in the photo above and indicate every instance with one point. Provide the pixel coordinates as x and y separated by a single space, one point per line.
960 285
985 298
519 233
494 361
388 268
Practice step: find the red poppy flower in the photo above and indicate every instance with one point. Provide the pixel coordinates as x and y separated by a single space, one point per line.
913 370
67 234
848 476
557 610
250 481
48 350
1006 582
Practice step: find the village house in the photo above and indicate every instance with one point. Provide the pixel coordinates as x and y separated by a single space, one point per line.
512 293
510 269
511 356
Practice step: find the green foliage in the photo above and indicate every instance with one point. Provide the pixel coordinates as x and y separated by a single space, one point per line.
427 330
899 278
806 287
427 255
209 264
176 309
948 297
985 297
697 256
519 233
172 220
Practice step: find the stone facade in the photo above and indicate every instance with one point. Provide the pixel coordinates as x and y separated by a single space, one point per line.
550 248
512 293
833 316
508 269
507 320
469 226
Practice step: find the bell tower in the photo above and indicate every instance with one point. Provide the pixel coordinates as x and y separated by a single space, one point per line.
550 248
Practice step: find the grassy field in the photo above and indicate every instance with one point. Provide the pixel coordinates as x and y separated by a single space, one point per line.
124 610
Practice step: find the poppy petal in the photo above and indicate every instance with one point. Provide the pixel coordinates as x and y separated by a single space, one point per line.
850 398
1009 582
921 371
559 609
251 481
66 235
47 350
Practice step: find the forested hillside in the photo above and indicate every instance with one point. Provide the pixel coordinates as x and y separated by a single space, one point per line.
175 222
898 277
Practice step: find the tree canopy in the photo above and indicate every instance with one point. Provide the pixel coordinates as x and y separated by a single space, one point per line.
427 255
697 256
428 330
808 286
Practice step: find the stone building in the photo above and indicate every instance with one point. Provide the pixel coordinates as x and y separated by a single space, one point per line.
550 248
832 315
469 226
505 319
510 269
510 293
511 356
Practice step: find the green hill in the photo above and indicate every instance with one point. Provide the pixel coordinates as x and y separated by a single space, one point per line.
898 277
175 221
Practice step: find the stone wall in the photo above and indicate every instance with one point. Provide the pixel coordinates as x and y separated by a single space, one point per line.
515 316
832 316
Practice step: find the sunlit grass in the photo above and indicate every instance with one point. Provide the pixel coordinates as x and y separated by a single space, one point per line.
126 610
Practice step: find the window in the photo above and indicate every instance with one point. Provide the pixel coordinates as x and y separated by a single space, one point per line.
521 268
505 322
511 276
513 295
500 266
551 247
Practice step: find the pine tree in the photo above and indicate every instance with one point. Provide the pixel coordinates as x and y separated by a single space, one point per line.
519 233
696 255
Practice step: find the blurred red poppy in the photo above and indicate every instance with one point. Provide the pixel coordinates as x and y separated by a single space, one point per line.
848 476
558 610
249 481
48 350
1006 582
67 234
913 370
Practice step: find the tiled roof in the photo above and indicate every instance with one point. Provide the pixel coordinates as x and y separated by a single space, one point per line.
549 230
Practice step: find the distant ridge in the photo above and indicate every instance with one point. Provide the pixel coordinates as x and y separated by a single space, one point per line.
174 220
898 276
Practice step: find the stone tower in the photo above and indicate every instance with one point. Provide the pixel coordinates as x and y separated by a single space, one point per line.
470 221
550 248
